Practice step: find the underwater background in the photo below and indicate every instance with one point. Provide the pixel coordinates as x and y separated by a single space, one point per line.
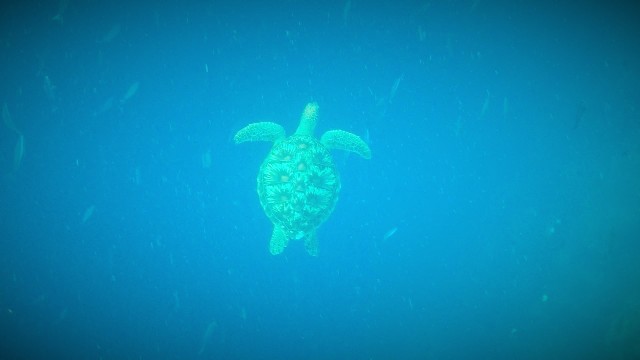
499 216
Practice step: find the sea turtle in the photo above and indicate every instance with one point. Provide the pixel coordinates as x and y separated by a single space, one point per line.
298 184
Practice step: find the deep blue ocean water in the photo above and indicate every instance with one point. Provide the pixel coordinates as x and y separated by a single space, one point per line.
499 217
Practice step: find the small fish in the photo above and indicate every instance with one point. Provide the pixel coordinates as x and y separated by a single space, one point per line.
505 108
485 104
395 86
49 88
88 213
208 337
422 34
390 233
206 159
136 176
176 300
18 152
106 106
580 110
345 12
367 136
8 121
59 16
133 89
112 34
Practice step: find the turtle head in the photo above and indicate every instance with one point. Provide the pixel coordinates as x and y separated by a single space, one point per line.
308 120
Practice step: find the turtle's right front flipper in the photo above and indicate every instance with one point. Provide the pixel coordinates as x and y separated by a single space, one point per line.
261 131
342 140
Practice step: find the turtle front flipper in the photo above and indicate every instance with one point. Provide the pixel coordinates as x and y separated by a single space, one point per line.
279 240
343 140
311 243
260 131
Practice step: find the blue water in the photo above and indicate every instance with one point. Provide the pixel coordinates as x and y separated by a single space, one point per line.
499 216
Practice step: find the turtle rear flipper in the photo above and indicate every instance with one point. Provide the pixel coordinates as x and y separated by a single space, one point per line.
260 131
311 244
343 140
279 240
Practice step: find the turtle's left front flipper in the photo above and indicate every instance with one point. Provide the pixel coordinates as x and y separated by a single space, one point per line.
343 140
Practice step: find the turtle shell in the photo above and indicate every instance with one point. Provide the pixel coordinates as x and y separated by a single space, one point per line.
298 185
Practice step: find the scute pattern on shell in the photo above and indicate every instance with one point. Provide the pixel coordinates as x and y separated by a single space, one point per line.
298 184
